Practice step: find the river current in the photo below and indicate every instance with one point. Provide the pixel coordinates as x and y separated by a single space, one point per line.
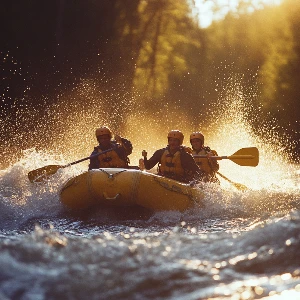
241 245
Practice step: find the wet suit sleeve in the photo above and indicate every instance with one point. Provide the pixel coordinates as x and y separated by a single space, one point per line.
94 162
191 168
155 159
127 146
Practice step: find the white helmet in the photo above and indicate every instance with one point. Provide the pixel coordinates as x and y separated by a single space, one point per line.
197 135
102 131
176 134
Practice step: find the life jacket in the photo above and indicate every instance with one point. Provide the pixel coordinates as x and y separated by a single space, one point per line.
111 159
170 165
187 149
203 163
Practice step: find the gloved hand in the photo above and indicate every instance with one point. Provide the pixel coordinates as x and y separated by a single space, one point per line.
141 164
118 139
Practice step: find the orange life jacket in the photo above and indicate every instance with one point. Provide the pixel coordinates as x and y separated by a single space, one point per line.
204 163
111 159
170 165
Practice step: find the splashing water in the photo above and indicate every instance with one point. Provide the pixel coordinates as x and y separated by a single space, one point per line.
68 134
241 244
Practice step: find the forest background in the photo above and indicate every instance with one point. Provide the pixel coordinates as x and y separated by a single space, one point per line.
119 56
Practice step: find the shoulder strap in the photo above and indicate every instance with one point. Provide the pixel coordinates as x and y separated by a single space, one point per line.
186 149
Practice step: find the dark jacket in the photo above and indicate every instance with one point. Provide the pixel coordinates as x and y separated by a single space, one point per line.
192 171
122 152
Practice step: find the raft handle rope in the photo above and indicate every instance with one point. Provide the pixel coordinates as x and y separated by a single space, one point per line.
110 198
110 175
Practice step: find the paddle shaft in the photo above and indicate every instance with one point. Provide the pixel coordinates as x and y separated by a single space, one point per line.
226 157
223 176
86 158
96 155
42 173
237 185
243 157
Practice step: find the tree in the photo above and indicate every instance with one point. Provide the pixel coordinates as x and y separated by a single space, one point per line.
153 37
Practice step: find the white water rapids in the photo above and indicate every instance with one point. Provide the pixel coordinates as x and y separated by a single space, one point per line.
242 245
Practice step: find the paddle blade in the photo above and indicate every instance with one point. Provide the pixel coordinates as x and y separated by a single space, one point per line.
239 186
43 173
246 157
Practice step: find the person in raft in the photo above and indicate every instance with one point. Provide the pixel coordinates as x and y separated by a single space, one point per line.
208 165
175 161
119 148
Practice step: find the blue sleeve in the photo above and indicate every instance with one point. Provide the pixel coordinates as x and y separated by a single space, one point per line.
152 161
191 168
94 162
127 146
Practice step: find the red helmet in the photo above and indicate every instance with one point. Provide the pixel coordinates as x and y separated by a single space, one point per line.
176 134
197 135
102 131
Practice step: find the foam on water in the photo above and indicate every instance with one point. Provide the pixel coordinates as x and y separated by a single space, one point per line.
178 261
240 244
22 200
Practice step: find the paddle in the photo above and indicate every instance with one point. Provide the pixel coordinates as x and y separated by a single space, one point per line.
243 157
239 186
43 173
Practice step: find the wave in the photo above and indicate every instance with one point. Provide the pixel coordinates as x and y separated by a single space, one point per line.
21 200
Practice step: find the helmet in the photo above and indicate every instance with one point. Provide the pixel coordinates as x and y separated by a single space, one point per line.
102 131
176 134
197 135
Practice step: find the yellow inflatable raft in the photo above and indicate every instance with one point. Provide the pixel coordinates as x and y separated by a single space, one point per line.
128 187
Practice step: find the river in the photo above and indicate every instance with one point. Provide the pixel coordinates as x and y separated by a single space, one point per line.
241 245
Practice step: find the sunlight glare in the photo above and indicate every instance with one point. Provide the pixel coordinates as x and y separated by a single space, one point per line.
207 15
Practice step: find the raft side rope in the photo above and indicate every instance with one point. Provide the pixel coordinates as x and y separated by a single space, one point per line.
135 185
72 181
174 188
90 185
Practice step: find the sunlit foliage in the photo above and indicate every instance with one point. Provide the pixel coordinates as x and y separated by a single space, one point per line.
153 34
263 47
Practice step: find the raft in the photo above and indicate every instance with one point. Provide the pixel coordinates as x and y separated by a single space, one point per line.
128 187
